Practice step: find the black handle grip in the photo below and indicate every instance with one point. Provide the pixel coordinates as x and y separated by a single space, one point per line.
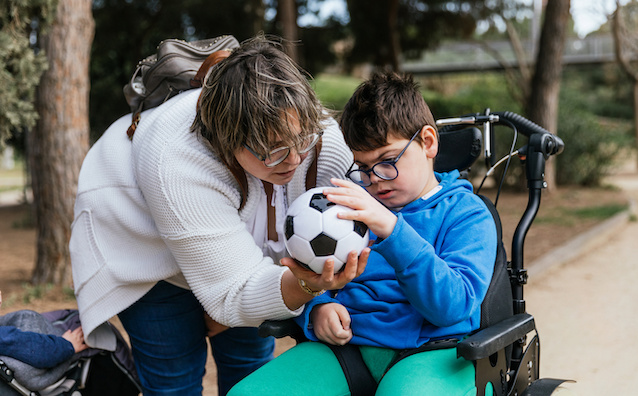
552 144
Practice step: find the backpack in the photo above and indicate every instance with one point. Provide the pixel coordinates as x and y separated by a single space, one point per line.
177 66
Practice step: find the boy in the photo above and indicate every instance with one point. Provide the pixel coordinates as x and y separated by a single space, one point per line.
427 274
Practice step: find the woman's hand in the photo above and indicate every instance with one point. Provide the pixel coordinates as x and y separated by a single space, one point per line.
213 327
331 323
328 280
294 296
366 208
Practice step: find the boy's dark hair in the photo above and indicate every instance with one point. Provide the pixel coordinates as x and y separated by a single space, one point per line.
387 103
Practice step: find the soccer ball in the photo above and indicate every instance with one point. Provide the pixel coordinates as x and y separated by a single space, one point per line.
314 233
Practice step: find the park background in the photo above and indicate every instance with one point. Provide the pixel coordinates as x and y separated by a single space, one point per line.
63 74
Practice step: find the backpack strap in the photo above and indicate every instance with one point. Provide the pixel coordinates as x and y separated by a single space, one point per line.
211 60
311 175
360 380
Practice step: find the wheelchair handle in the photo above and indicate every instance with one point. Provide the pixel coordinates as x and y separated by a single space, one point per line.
550 143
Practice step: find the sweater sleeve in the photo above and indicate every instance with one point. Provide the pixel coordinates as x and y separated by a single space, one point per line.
194 201
38 350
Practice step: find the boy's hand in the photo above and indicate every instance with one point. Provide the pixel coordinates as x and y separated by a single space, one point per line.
76 338
367 209
331 323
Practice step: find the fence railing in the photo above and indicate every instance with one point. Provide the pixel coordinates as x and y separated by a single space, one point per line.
474 56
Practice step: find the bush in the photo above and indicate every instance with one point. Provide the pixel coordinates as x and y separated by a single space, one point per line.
590 148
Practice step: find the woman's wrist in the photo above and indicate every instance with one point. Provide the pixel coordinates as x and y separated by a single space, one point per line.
308 290
292 293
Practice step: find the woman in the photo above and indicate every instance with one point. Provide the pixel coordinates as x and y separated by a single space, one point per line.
190 215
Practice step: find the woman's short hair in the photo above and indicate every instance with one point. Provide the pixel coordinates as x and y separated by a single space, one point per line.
249 97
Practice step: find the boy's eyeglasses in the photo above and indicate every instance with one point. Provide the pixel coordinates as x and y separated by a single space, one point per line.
386 170
279 155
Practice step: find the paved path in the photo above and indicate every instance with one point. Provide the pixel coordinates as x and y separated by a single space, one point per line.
586 308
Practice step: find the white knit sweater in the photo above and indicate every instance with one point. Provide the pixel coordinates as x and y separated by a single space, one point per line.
164 205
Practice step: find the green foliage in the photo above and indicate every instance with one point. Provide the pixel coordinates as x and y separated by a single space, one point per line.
334 90
455 95
422 24
20 66
34 292
591 148
605 90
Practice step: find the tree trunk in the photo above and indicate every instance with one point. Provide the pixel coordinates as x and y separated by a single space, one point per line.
635 81
60 140
543 102
393 32
255 9
288 10
621 49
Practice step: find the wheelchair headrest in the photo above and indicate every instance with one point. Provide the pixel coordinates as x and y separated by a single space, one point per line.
459 147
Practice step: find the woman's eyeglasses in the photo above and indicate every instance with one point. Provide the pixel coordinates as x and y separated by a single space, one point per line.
386 170
279 155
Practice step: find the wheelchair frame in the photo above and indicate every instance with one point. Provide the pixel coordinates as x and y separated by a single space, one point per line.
501 352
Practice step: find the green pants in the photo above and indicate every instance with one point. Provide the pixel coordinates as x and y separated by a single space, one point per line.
311 368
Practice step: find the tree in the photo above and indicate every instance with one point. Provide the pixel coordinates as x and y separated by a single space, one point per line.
129 30
626 50
59 142
542 105
20 66
394 28
287 12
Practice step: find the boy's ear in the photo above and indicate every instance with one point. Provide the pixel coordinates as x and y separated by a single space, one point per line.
430 141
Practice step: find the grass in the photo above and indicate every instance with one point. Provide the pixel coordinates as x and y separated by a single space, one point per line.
31 293
334 90
568 216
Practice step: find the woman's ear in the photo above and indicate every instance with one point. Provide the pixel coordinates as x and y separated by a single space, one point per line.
430 141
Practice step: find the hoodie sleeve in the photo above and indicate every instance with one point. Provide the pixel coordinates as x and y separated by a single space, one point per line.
38 350
445 280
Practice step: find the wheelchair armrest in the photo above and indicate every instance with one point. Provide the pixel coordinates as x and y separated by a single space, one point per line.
280 329
490 340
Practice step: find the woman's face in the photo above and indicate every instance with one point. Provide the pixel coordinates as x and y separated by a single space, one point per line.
279 174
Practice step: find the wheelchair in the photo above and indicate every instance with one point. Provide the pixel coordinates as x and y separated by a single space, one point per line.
505 349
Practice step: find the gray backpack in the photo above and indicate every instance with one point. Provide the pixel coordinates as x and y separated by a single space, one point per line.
177 66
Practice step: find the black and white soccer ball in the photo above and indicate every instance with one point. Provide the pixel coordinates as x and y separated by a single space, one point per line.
314 233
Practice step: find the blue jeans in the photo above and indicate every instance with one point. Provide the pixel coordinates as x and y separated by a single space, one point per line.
168 338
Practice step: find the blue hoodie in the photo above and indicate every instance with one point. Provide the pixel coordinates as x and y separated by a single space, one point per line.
428 278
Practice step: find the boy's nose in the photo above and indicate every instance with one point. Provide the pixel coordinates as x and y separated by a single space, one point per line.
374 179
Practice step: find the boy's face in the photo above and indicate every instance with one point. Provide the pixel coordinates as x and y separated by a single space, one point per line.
416 172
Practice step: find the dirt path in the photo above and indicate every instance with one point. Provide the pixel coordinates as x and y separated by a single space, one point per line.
585 311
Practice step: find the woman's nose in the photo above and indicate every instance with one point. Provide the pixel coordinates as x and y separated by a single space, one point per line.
294 157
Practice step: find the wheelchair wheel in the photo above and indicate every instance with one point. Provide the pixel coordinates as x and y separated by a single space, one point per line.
548 387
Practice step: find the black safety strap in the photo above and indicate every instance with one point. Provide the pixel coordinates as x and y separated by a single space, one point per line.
360 380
